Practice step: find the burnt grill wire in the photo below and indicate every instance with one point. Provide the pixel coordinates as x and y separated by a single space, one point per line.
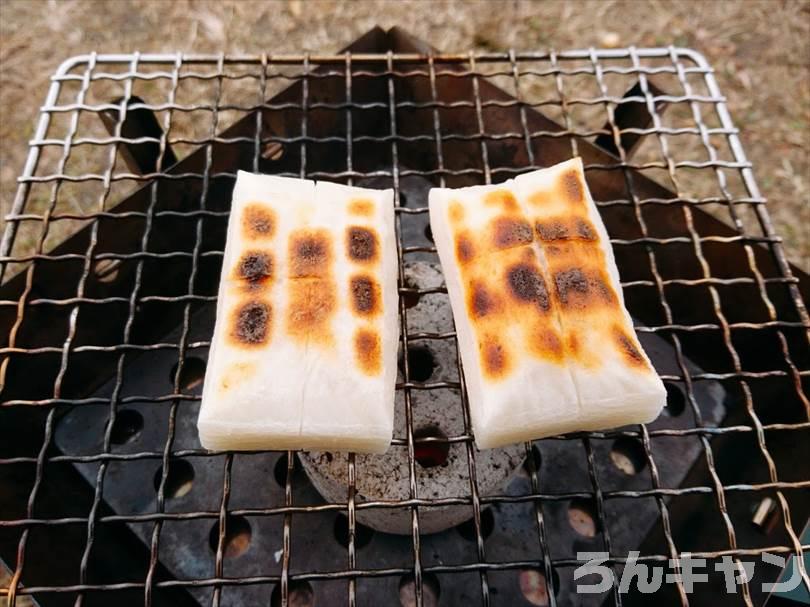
517 71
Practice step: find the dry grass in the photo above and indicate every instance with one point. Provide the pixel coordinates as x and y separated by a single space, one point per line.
760 52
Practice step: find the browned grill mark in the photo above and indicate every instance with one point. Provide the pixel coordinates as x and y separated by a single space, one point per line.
577 348
539 198
310 253
368 351
508 232
495 358
361 206
601 287
575 288
574 344
527 285
258 221
571 187
365 293
528 255
361 244
502 198
568 281
585 230
312 306
552 230
465 250
481 301
544 342
628 348
256 267
250 323
555 250
236 374
456 211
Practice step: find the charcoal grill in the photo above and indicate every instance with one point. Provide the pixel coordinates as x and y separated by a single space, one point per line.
105 493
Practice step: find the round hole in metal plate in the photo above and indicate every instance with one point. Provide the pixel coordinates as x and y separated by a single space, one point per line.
106 270
128 423
179 479
676 401
237 536
429 454
429 233
467 528
420 363
582 516
533 585
362 534
273 150
299 594
411 299
627 454
431 590
280 469
191 375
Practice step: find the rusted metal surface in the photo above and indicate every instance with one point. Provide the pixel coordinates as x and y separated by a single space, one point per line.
631 119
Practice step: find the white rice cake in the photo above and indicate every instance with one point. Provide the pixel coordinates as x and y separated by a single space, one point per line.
546 343
305 344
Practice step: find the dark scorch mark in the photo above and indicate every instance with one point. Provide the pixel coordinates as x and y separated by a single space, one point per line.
526 284
256 267
364 294
252 323
550 231
509 232
361 244
482 302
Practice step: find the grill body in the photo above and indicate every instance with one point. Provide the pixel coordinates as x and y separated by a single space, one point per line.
107 494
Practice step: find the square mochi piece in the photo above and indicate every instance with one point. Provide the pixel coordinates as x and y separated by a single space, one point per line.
546 343
304 348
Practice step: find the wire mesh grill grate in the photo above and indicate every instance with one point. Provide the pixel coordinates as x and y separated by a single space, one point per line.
392 117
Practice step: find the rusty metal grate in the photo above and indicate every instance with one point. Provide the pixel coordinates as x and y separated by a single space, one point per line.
130 289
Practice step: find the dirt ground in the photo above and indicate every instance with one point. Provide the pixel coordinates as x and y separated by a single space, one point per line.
759 49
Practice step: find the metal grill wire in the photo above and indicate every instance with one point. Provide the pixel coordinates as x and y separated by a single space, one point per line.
682 64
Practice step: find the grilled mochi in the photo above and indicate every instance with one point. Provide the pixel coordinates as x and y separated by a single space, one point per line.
304 348
546 343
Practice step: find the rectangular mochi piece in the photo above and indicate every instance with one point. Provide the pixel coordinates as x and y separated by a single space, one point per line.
305 343
616 383
509 336
531 276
